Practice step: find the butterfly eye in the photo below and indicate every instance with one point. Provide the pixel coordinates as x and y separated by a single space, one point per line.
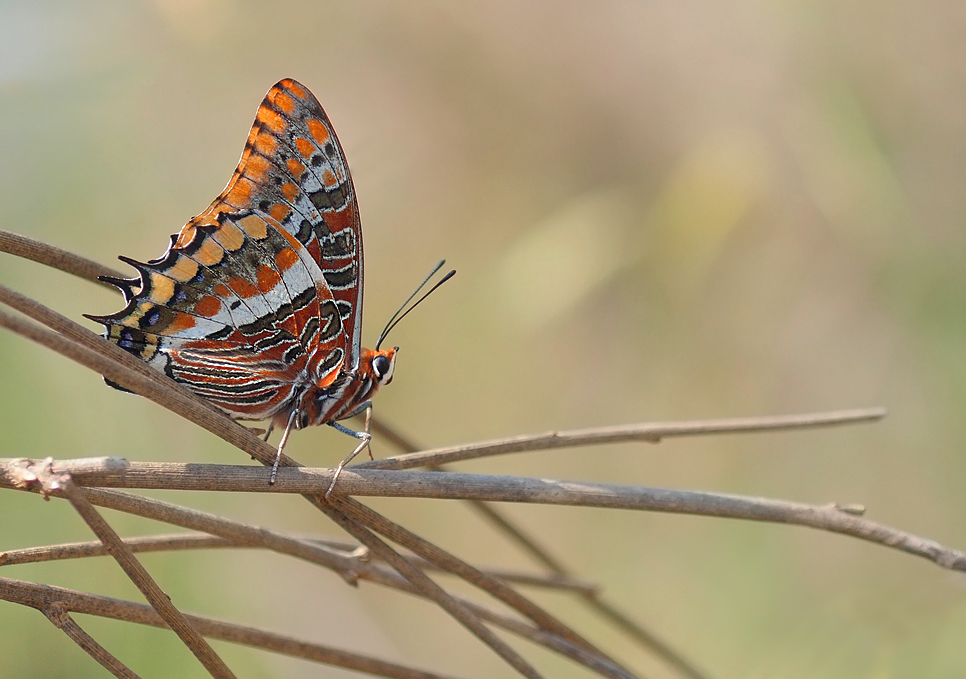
382 367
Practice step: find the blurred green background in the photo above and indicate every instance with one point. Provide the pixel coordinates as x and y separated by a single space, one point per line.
658 211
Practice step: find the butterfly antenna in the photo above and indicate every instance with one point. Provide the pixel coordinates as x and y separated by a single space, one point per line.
408 299
400 314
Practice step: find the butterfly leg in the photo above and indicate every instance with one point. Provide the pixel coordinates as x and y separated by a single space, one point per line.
369 429
281 446
271 428
367 406
364 438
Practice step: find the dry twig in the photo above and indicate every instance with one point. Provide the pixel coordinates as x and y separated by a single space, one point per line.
28 248
187 541
61 619
651 432
42 597
454 486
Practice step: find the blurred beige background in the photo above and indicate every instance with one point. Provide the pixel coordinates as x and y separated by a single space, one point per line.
658 210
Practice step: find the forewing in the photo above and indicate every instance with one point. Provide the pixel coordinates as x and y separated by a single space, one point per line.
266 281
293 172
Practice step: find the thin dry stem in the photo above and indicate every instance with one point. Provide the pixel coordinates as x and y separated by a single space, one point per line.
61 619
454 486
28 248
42 596
185 541
84 550
650 432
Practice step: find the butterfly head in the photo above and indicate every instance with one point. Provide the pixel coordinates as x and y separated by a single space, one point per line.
381 364
375 370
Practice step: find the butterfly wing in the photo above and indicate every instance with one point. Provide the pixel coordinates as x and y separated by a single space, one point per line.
266 283
293 169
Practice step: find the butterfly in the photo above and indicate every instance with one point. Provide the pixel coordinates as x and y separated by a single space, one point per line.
256 306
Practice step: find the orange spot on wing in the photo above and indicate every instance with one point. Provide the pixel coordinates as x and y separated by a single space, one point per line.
329 179
285 102
257 168
290 191
180 322
222 290
229 236
265 144
279 212
162 288
285 259
270 119
252 133
184 269
208 306
305 147
328 379
295 167
254 226
242 287
267 278
318 131
295 89
240 193
209 253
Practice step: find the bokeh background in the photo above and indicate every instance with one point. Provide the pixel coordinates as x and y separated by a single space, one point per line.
658 210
